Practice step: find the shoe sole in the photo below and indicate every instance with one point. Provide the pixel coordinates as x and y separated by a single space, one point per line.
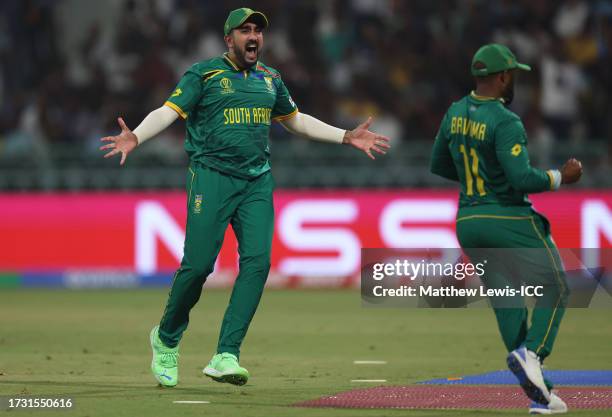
531 390
547 411
234 379
539 411
161 383
556 406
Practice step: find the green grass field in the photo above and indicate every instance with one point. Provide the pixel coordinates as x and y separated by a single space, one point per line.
93 346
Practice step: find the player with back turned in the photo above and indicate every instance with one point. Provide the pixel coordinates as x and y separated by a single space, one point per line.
483 145
229 103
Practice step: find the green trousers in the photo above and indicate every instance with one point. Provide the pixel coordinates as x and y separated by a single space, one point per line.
214 201
534 260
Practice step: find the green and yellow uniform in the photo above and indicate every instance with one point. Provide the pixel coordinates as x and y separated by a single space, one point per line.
483 145
228 113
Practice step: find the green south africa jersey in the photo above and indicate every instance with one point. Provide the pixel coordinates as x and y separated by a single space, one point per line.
228 114
483 145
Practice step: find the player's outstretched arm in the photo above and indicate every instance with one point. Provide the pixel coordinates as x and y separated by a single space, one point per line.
361 137
126 141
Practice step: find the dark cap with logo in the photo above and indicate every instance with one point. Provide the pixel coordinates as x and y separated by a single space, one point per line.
493 58
237 17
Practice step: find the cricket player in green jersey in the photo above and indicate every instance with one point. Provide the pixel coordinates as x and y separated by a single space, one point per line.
228 103
483 145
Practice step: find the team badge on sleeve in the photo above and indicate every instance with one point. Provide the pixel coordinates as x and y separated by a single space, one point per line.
269 84
516 150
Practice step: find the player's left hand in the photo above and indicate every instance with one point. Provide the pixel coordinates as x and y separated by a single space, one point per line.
366 141
571 171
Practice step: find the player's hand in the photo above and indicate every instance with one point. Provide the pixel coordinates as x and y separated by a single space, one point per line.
571 171
366 141
123 143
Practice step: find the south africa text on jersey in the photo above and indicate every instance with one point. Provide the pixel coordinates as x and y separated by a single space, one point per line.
247 115
467 127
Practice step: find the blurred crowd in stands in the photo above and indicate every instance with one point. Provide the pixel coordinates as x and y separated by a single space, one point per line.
65 75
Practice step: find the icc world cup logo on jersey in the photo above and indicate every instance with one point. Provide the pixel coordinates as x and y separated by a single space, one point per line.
226 86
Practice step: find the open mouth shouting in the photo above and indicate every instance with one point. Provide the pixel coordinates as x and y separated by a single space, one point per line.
251 51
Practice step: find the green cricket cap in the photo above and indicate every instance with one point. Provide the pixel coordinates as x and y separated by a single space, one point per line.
493 58
237 17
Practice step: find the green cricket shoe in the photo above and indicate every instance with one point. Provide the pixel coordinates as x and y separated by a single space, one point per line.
164 364
223 367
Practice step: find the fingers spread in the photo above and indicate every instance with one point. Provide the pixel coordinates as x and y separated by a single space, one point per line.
379 150
383 142
112 153
109 146
108 139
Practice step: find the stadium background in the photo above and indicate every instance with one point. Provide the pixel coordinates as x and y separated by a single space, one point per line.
69 68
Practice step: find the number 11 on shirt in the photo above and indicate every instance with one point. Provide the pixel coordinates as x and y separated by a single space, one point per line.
472 173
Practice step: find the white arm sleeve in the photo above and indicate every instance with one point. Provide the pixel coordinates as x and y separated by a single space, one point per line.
155 122
311 128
